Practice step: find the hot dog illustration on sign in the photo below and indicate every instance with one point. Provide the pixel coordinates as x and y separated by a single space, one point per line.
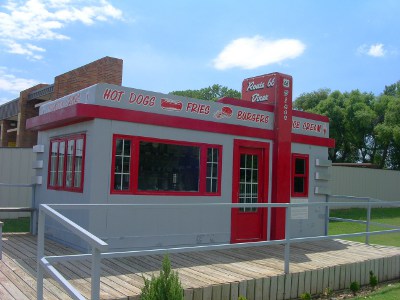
225 112
172 105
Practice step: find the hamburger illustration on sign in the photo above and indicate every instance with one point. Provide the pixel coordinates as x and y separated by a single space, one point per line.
225 112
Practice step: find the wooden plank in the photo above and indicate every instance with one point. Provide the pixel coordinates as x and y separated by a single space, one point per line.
307 282
11 288
301 284
386 268
188 294
250 289
294 291
226 292
258 289
266 288
207 293
348 276
392 261
198 294
331 280
320 280
288 286
314 282
216 292
234 290
4 294
336 283
274 288
382 269
243 288
363 274
280 293
325 280
353 274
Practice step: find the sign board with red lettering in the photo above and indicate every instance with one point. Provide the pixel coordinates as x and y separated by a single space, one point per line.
260 89
166 104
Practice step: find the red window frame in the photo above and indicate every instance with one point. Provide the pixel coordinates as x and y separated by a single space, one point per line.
63 186
134 167
304 157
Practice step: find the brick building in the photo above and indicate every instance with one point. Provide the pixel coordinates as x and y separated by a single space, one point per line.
13 114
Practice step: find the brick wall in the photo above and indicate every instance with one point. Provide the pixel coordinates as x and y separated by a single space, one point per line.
104 70
26 110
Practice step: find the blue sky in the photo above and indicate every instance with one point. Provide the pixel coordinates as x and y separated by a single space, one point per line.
178 45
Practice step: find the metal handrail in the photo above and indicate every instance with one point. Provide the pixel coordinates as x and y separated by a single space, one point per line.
99 246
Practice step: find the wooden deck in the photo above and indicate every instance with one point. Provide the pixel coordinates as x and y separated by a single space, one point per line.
254 272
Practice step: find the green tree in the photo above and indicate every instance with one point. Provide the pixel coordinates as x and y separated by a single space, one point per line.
212 93
308 101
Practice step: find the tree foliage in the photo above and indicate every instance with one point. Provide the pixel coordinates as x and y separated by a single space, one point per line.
366 127
212 93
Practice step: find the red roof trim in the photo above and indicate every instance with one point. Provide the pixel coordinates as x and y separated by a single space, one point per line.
84 112
311 116
313 140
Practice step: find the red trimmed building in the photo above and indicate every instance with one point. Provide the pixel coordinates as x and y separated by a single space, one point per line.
108 144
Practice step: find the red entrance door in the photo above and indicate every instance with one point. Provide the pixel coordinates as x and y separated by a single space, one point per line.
250 185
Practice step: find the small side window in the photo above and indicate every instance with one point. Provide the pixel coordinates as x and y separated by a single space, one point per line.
299 175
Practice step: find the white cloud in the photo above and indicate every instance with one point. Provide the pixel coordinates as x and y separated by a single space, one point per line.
254 52
33 20
375 50
12 84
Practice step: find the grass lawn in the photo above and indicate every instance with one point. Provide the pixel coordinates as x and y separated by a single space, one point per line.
389 216
16 225
389 292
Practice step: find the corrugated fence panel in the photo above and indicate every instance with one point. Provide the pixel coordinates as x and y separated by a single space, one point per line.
15 168
362 182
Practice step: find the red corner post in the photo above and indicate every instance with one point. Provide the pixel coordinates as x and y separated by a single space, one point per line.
281 170
276 89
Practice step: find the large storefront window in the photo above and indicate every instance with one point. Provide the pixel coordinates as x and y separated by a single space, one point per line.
66 163
152 166
299 175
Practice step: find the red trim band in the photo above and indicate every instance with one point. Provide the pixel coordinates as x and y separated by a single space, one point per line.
310 116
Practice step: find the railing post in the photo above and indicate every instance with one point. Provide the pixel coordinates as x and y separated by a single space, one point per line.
327 216
368 222
34 213
1 240
287 239
96 261
40 254
269 223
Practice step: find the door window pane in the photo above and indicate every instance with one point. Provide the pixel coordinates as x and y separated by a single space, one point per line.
248 185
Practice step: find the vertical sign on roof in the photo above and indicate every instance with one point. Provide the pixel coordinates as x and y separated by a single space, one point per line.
276 89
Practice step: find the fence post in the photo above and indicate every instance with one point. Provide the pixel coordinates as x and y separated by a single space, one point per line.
368 221
96 261
34 213
40 254
287 239
327 216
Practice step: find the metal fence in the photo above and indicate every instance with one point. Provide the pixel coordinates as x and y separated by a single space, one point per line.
99 247
26 209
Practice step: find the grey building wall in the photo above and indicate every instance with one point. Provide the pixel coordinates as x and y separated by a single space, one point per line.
311 221
134 227
15 168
